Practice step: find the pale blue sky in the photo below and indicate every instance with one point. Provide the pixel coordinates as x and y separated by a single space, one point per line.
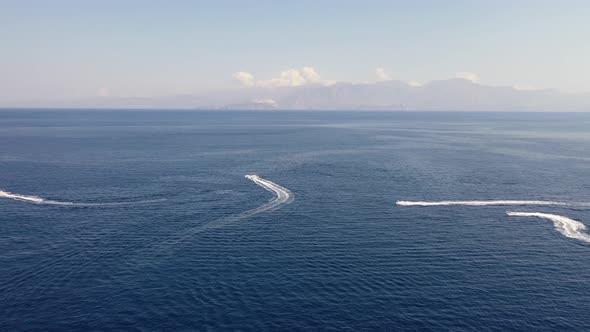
69 49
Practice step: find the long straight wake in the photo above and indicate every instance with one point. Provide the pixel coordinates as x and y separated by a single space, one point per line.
485 203
566 226
43 201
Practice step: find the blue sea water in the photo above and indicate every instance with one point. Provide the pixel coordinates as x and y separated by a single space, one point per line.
182 254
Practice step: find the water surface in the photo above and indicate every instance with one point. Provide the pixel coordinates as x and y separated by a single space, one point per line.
341 256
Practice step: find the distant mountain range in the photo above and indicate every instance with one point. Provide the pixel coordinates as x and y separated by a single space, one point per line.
445 95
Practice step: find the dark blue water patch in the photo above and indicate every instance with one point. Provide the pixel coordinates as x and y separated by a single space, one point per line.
341 256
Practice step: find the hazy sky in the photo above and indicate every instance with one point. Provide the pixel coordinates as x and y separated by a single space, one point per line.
69 49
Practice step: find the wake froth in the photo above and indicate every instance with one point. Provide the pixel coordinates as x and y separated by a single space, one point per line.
482 203
43 201
282 194
566 226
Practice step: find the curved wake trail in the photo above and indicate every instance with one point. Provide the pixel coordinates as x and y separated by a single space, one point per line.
42 201
486 203
162 249
566 226
282 195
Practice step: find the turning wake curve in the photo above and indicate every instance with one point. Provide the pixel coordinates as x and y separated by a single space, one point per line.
486 203
566 226
162 249
42 201
282 195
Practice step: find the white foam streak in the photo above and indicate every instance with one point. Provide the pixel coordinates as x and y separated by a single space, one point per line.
282 195
566 226
31 199
482 203
23 198
42 201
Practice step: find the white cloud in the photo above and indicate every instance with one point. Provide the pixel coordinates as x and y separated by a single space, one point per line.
414 83
473 77
289 77
245 78
381 74
311 75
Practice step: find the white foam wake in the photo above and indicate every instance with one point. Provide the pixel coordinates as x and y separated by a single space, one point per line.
42 201
482 203
282 194
566 226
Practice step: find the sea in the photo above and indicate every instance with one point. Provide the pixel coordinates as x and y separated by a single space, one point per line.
168 220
